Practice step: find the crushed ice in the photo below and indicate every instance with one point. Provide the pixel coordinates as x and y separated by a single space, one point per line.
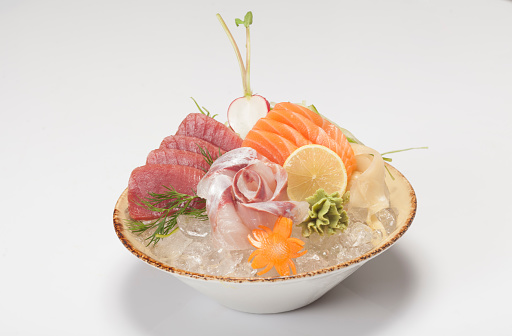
191 247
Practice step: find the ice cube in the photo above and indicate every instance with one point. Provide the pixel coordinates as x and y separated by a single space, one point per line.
143 236
243 270
356 234
387 217
212 261
377 236
362 249
239 265
170 248
356 214
230 261
350 253
347 254
194 256
194 227
325 248
321 242
310 261
221 262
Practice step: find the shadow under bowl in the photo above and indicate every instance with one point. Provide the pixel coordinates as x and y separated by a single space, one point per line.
277 294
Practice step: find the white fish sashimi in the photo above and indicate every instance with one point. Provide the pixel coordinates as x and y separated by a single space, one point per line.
221 209
230 232
244 190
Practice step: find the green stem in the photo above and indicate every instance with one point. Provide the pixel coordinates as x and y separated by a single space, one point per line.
403 150
237 52
247 87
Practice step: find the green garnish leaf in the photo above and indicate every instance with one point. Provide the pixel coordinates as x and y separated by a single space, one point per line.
390 175
171 204
247 21
397 151
207 113
403 150
313 108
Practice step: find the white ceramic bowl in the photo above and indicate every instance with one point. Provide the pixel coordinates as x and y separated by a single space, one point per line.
279 294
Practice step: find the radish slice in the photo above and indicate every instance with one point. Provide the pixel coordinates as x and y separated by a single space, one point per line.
244 112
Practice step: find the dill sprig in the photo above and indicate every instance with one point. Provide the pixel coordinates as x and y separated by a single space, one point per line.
207 113
166 224
208 157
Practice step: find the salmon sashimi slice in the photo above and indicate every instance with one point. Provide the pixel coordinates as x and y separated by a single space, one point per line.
191 144
204 127
303 125
346 153
155 178
317 135
273 146
284 130
302 110
333 131
177 157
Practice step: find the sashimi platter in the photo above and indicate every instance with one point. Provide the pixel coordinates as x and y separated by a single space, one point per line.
273 193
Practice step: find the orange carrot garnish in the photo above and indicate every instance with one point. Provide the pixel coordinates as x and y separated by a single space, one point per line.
275 248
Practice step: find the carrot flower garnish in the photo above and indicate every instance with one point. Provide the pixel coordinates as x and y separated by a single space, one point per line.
275 248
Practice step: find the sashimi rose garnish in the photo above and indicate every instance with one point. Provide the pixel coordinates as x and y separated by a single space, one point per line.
244 190
245 111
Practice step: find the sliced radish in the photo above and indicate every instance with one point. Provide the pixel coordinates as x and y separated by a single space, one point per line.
244 112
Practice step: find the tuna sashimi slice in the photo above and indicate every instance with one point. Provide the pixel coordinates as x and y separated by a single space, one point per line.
204 127
191 144
177 157
154 178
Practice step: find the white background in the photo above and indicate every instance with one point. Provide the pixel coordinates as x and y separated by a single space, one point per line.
88 88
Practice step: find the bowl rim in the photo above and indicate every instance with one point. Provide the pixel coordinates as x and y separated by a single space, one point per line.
120 229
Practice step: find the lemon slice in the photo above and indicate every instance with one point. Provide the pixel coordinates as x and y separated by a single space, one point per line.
312 167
